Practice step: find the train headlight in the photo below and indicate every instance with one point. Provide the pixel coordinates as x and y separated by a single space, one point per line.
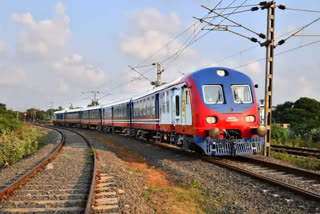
211 120
221 73
250 119
261 131
214 133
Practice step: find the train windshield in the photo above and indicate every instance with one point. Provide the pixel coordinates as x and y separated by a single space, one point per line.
212 94
241 94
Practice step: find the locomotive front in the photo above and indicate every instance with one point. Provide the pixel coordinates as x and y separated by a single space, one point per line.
225 113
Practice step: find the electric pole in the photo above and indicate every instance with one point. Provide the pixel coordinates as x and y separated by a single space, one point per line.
159 72
269 76
95 101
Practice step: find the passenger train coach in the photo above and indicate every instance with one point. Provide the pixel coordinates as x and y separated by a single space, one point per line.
213 110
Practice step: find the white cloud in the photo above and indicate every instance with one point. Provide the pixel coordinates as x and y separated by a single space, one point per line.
11 76
254 68
2 49
150 19
151 31
63 87
42 39
77 71
25 19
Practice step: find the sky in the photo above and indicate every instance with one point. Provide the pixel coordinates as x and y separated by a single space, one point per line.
58 52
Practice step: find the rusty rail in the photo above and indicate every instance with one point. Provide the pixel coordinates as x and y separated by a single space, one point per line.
299 151
294 189
93 181
15 185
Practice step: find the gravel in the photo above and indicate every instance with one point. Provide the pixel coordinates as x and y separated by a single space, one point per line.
67 178
9 174
284 163
235 192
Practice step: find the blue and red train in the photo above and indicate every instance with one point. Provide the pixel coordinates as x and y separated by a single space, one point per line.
213 110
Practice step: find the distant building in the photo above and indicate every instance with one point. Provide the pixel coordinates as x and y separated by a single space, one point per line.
261 111
283 125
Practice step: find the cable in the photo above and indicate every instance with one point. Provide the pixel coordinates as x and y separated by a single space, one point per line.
176 37
251 5
176 54
195 40
287 51
242 11
212 11
282 7
281 42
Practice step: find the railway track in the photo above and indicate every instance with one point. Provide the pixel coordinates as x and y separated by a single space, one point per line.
305 152
296 180
64 182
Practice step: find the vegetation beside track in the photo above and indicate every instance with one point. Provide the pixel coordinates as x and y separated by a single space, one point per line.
16 139
303 116
304 162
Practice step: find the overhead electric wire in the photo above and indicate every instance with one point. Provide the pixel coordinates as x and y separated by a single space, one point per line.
175 38
195 39
282 7
250 5
240 25
287 51
226 14
302 28
193 35
132 68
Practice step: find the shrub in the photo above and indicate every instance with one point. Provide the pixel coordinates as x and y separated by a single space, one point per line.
15 144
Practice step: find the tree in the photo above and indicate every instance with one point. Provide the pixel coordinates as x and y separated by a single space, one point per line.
303 115
93 103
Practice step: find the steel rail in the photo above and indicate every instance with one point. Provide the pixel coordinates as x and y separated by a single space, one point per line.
94 177
15 185
305 152
288 169
294 189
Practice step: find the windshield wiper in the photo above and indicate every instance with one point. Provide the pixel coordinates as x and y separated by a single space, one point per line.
237 97
219 97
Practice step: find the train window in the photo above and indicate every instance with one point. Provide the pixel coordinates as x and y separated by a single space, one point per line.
167 101
187 96
212 94
241 94
177 106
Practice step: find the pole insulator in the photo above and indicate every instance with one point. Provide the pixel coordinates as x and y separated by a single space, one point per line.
262 3
281 7
253 39
254 8
281 42
261 35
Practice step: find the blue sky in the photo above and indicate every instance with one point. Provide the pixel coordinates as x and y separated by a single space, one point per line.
59 51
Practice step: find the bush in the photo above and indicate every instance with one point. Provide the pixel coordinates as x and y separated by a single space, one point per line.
15 144
308 162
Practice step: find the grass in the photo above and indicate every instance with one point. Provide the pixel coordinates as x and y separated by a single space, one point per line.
191 198
18 143
307 163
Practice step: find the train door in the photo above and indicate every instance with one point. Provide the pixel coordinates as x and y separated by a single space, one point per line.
176 106
157 109
186 116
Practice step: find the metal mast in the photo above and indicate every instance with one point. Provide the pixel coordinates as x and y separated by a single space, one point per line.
269 76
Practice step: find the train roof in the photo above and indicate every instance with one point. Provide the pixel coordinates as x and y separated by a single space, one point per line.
116 103
164 86
73 110
59 112
91 108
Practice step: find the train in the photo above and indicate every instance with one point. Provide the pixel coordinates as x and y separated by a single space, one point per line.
213 111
